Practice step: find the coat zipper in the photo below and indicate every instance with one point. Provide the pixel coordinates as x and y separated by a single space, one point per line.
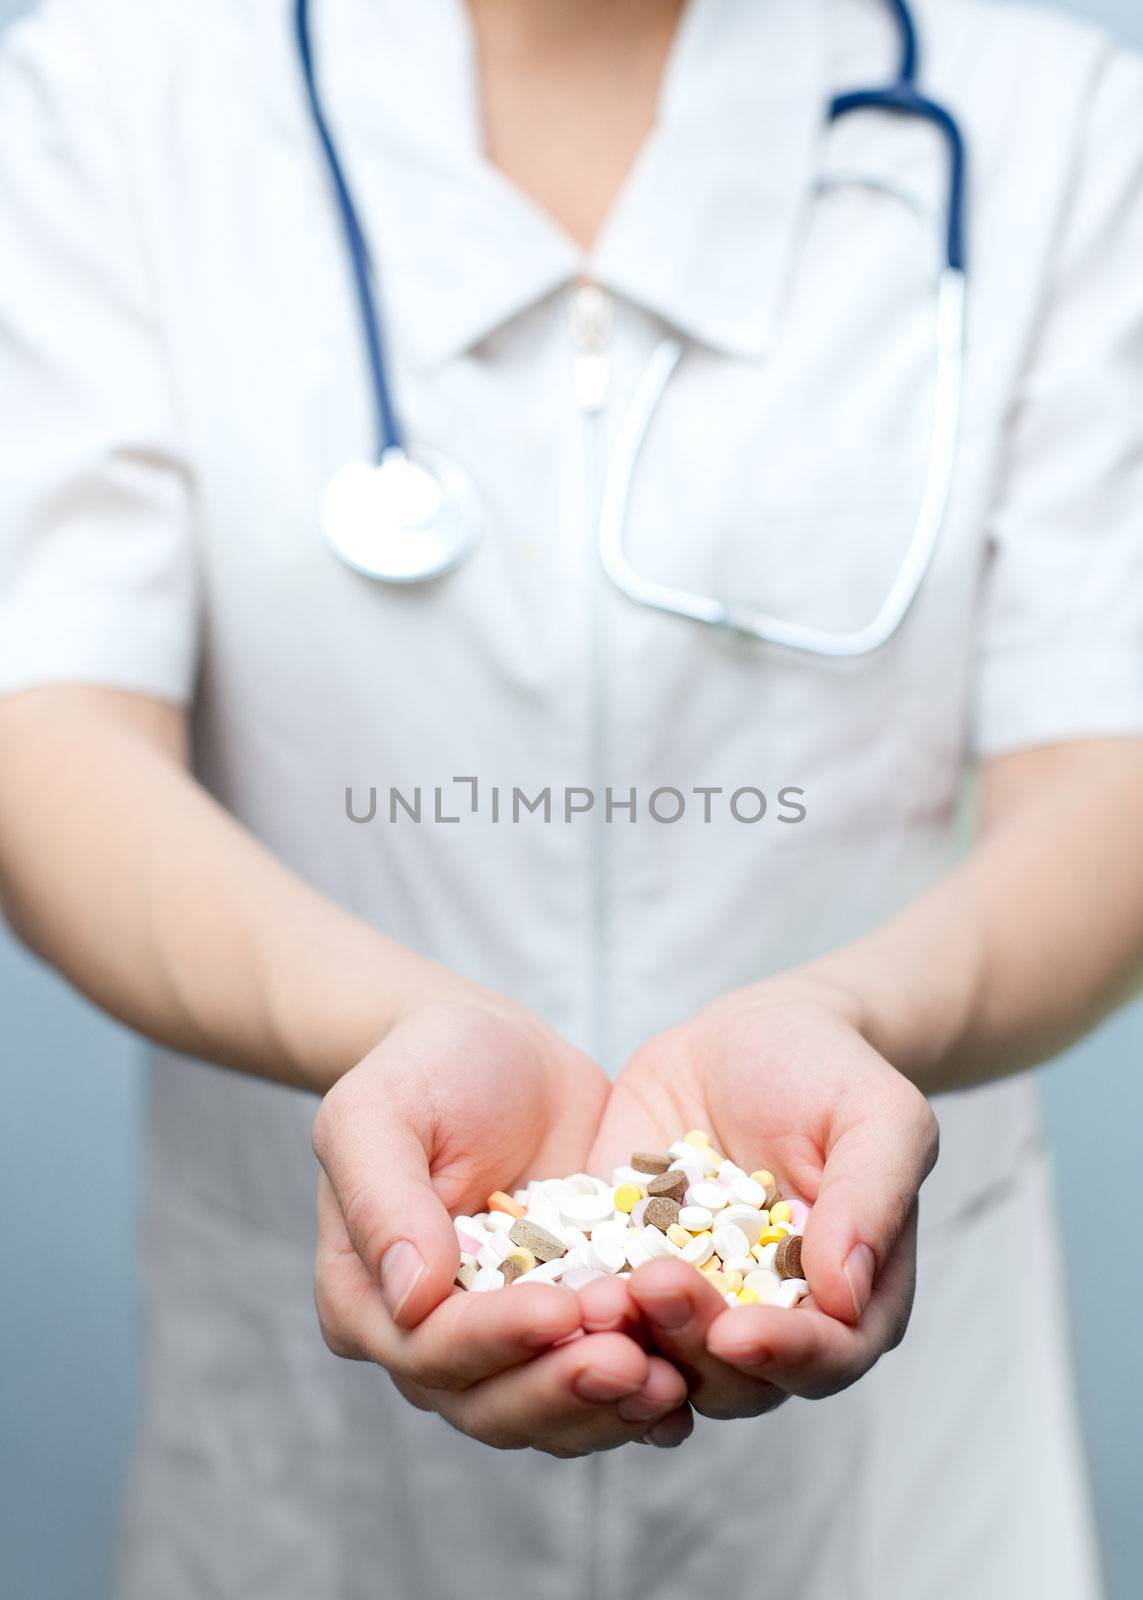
592 320
591 326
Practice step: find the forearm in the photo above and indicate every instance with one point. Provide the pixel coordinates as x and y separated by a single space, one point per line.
121 871
1029 942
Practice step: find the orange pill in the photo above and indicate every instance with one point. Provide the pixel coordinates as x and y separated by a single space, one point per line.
499 1201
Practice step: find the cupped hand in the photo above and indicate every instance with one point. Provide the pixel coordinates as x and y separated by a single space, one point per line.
781 1080
463 1097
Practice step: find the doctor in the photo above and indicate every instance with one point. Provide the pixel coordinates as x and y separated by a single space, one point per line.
192 681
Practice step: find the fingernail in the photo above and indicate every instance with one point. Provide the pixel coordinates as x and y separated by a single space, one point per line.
590 1384
858 1271
669 1311
746 1353
637 1409
540 1336
662 1435
401 1269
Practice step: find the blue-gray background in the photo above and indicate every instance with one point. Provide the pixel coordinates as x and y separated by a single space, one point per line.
71 1086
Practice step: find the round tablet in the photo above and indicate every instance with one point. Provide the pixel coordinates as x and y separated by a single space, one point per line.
606 1255
744 1189
700 1249
730 1242
583 1183
766 1285
747 1218
655 1243
584 1210
711 1195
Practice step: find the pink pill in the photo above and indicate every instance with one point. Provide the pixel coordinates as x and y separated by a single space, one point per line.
467 1243
799 1211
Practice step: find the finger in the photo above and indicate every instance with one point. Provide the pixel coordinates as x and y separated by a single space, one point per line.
868 1190
378 1166
663 1390
658 1415
466 1338
679 1307
473 1337
672 1431
809 1353
632 1420
569 1393
602 1432
606 1306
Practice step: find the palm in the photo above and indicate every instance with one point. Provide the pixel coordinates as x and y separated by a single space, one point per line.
765 1100
457 1100
493 1098
461 1098
793 1088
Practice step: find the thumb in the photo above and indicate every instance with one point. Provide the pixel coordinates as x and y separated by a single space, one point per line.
379 1170
875 1166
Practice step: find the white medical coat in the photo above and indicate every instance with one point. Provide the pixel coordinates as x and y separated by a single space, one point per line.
181 370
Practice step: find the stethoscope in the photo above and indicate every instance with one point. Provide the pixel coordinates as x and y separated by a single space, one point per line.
412 513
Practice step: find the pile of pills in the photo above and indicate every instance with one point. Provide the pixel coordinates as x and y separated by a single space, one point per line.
688 1202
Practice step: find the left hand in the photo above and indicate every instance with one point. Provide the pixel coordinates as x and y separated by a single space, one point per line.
468 1092
781 1079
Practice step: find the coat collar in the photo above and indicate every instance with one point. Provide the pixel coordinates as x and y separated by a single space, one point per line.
703 235
705 232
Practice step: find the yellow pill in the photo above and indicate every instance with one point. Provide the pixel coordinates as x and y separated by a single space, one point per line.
772 1234
748 1297
627 1197
524 1259
679 1236
698 1138
764 1178
718 1280
734 1280
782 1212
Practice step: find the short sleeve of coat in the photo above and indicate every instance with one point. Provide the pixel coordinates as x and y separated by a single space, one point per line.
1061 642
97 575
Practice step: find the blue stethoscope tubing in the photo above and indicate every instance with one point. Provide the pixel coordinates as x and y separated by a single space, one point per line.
412 514
904 98
388 428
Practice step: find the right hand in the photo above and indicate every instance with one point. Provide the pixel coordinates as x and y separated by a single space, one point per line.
783 1078
460 1098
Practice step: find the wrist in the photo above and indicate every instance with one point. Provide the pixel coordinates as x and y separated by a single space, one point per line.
916 1013
801 988
351 998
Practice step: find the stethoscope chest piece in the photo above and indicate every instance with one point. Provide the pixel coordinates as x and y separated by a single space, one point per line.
404 519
